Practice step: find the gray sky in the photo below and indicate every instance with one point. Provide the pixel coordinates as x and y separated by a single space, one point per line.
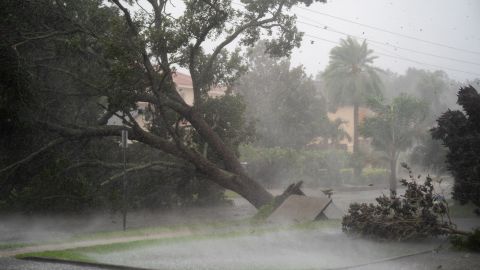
452 23
447 22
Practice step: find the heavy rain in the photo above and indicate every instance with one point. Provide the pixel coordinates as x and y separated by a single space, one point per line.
239 134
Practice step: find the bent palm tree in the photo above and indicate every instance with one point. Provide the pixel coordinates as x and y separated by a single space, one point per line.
350 79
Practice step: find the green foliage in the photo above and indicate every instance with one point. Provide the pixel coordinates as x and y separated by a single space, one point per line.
460 133
417 214
68 62
394 128
469 242
276 166
395 125
281 101
226 114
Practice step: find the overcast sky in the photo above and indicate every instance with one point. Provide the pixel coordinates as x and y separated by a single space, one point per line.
454 24
451 23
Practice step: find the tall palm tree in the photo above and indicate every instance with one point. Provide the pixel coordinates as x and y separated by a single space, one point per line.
349 79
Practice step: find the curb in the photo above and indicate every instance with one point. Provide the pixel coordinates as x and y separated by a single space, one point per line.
78 263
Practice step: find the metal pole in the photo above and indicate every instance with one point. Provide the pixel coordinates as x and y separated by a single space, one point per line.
124 197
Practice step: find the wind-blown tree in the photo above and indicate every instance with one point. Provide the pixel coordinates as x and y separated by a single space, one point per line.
350 79
460 133
134 54
282 101
394 128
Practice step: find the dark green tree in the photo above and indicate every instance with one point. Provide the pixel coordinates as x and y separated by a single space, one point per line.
460 133
129 57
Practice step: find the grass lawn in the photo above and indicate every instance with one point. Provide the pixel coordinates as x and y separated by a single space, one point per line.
13 245
81 254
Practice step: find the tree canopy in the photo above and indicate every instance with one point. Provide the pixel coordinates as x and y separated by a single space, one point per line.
282 101
350 79
460 133
394 128
118 56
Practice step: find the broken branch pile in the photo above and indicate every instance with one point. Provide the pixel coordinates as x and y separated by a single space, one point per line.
419 213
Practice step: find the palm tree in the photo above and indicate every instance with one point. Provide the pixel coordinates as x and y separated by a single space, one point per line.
350 79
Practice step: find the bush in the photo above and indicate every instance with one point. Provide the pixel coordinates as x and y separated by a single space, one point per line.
419 213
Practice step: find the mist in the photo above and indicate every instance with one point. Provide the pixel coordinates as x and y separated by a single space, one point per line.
171 134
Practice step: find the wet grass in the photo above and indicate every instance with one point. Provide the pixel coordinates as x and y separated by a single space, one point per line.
68 255
13 245
148 231
81 254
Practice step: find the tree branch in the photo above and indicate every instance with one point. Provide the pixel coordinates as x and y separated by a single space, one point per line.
34 154
142 167
44 36
234 35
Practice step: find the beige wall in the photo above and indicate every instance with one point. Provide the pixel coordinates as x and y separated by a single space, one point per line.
346 114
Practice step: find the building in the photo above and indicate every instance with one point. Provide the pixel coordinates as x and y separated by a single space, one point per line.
345 113
184 86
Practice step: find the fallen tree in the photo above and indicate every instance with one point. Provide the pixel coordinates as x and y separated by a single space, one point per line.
134 57
417 214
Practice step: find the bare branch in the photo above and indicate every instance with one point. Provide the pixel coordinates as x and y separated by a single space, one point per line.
234 35
44 36
143 167
134 33
34 154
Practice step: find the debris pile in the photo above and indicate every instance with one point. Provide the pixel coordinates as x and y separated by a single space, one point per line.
419 213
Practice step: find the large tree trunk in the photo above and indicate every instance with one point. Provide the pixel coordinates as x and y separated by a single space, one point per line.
232 177
357 169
